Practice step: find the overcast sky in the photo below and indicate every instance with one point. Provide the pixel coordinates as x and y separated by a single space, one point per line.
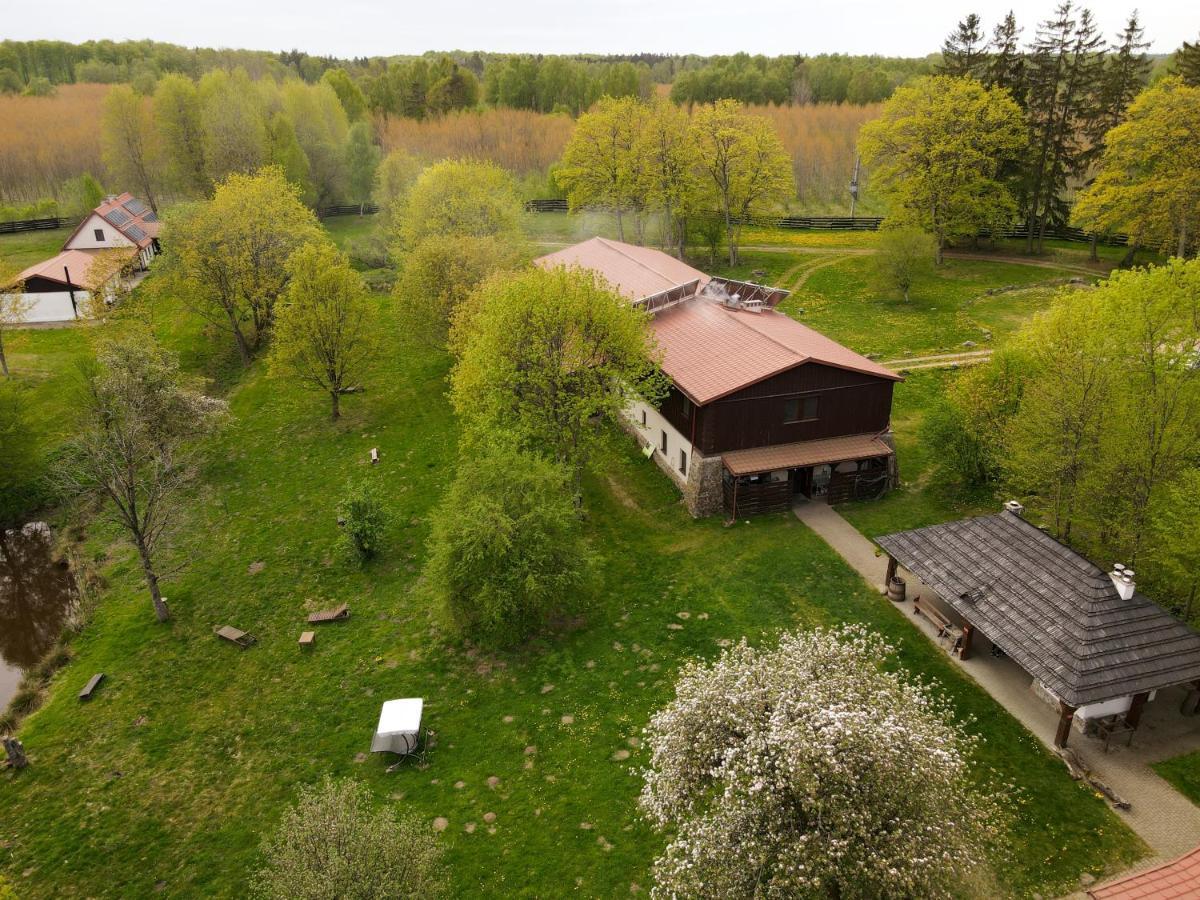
381 27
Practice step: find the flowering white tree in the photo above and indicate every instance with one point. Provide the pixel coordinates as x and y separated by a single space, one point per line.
808 770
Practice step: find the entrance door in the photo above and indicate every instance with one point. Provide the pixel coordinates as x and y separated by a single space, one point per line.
802 481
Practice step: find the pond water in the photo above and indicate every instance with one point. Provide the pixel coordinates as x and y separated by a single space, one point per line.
37 593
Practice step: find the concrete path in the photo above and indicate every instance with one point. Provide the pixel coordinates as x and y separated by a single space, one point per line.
1161 816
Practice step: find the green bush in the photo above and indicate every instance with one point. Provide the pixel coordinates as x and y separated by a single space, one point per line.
363 518
506 549
333 844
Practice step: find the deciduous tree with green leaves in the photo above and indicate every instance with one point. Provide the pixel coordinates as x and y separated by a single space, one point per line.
904 253
440 273
1148 183
668 177
506 549
545 354
335 842
362 160
598 166
130 142
461 197
229 254
743 161
177 117
139 419
325 324
935 152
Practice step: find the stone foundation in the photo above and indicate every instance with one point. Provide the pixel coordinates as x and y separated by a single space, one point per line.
703 493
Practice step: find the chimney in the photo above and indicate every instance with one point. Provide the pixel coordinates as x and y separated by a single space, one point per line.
1122 579
1014 507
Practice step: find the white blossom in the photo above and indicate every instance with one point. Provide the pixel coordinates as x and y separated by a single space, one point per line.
809 770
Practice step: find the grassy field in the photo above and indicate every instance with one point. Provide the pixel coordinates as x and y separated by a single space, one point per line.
192 748
1184 773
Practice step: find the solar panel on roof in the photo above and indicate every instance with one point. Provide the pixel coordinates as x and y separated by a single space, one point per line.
117 216
135 206
149 217
135 233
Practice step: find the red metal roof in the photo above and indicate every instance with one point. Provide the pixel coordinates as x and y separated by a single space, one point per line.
134 219
709 350
804 453
77 262
635 272
1176 880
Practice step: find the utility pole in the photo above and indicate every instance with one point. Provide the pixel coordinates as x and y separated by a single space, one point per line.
854 187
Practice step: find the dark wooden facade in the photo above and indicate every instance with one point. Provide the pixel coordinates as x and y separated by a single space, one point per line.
39 285
756 416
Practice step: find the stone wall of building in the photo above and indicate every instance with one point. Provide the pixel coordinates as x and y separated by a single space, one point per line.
703 493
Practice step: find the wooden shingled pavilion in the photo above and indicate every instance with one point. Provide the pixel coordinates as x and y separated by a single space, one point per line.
1086 636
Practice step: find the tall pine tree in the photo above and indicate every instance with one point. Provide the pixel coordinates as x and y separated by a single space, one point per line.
1187 63
1065 64
964 52
1006 65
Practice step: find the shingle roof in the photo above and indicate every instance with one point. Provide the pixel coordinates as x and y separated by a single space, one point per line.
1176 880
1054 612
635 272
804 453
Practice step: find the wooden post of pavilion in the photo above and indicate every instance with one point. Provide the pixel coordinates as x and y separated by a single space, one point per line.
1134 715
964 650
1065 715
891 573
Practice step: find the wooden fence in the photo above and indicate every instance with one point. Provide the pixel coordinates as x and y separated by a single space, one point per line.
801 223
36 224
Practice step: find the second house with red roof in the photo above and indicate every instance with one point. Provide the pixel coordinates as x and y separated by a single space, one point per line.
762 410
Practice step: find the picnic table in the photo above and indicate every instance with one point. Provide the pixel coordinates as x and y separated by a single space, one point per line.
399 726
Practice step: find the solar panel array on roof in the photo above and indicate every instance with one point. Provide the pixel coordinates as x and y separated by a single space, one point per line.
149 217
117 216
135 233
135 206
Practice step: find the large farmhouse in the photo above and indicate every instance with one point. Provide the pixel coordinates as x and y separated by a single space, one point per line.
57 288
761 408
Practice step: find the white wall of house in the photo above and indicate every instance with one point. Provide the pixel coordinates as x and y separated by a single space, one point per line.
53 306
652 433
86 238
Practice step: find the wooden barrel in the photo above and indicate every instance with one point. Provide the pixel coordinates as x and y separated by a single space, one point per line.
896 588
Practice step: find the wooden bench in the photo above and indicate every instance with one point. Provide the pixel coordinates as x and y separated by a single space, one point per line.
307 639
236 636
90 687
946 630
337 614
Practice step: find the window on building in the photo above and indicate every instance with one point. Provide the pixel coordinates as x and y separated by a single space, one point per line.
800 409
99 233
643 417
683 461
687 408
664 441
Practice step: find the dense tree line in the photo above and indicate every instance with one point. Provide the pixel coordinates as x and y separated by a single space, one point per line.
828 78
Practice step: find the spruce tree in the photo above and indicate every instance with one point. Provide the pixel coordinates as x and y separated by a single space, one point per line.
964 52
1187 63
1065 63
1006 66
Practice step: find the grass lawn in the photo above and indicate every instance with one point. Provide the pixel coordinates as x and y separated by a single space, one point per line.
19 251
947 308
191 749
1184 773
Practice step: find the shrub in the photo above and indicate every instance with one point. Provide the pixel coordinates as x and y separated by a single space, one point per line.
505 547
332 844
905 254
807 770
363 518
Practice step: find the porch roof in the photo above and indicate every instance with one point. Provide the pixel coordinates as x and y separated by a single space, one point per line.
1055 613
805 453
1173 879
